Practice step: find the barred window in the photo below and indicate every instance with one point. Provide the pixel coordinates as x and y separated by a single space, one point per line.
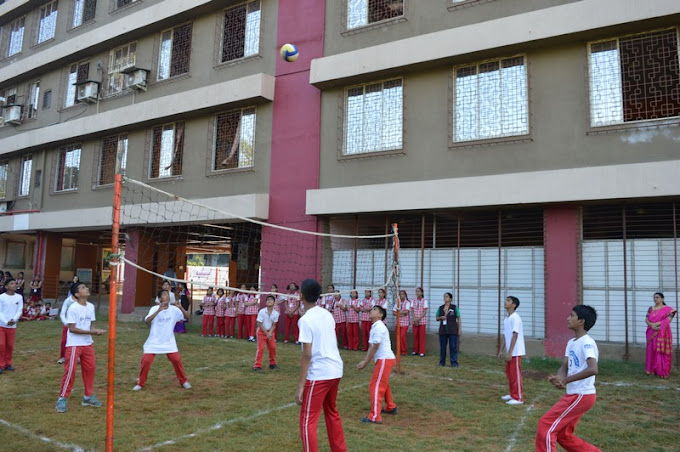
3 179
241 34
77 73
83 12
234 139
47 21
25 176
166 150
490 100
47 100
364 12
10 97
112 147
374 117
175 52
634 78
16 37
33 99
120 59
68 168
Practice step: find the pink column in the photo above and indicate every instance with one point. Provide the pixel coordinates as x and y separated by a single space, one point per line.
562 243
285 256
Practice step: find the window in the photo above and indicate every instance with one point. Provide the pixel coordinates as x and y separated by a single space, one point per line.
33 99
16 37
112 147
68 168
25 176
3 179
364 12
634 78
241 34
68 258
83 12
119 60
490 100
374 117
47 99
47 17
15 254
234 139
166 150
175 49
122 3
77 73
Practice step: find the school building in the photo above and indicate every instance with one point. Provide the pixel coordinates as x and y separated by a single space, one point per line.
524 147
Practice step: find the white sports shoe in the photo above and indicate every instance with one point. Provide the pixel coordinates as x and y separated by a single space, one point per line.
514 402
138 388
61 361
186 385
507 397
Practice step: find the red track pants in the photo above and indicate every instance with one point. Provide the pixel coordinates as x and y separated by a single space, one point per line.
230 325
513 370
6 346
317 395
291 325
174 358
87 368
220 326
365 333
208 325
64 335
403 331
379 388
559 422
251 323
419 339
353 336
262 341
241 328
341 333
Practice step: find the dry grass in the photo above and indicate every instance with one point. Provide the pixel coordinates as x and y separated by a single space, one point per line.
232 408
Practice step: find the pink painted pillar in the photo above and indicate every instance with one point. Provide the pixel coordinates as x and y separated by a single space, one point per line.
285 256
138 287
562 243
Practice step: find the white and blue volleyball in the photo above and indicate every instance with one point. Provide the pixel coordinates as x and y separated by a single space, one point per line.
289 52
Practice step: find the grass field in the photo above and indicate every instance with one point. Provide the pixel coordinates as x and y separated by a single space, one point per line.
232 408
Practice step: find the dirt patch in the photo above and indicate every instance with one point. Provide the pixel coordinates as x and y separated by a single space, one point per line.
536 376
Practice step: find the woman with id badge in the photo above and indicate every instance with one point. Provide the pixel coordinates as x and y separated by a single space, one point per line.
450 328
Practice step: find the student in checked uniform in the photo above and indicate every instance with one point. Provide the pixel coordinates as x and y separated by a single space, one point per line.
403 319
208 305
292 316
577 373
339 311
320 372
365 316
419 318
252 308
380 352
241 299
353 320
267 319
512 350
221 313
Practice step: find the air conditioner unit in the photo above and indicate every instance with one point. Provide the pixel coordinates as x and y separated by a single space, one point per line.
136 78
3 207
12 114
88 91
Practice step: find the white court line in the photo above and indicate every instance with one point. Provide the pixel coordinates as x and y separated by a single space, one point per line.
220 425
513 438
52 442
624 384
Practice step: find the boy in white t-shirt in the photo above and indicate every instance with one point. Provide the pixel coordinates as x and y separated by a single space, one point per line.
79 317
161 339
320 372
11 305
512 348
266 321
379 350
577 373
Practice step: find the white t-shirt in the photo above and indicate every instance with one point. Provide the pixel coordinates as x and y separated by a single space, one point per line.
82 316
64 309
380 335
513 324
578 351
162 336
10 309
267 320
317 327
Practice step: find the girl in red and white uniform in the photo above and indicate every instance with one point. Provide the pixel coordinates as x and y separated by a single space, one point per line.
277 307
221 313
353 320
339 311
241 299
292 314
365 316
208 305
419 318
329 299
230 312
252 307
382 301
404 316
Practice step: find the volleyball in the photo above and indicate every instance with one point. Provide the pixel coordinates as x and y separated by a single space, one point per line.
289 52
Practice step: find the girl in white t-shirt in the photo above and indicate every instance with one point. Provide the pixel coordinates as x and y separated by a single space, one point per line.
161 340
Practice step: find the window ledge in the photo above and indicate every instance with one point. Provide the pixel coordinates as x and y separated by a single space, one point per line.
172 79
237 61
115 10
230 171
489 142
121 93
7 58
102 187
372 154
23 196
634 125
43 44
374 25
65 192
81 26
73 107
161 180
465 4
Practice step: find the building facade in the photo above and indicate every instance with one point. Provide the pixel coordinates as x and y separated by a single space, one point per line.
525 148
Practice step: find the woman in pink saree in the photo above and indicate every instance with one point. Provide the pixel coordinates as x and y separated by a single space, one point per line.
659 338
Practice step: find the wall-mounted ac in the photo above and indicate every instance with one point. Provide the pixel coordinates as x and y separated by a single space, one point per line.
3 207
136 78
88 91
11 114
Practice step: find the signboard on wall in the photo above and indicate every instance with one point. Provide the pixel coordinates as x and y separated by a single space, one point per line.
85 275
